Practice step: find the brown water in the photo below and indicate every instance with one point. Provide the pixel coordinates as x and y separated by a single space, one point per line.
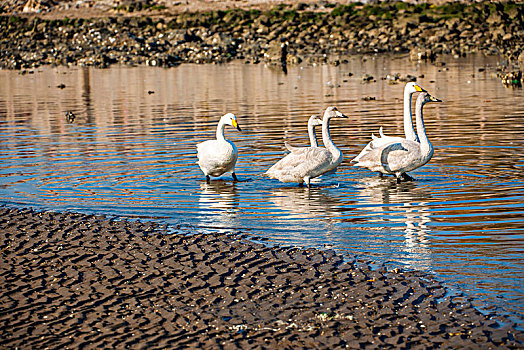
132 153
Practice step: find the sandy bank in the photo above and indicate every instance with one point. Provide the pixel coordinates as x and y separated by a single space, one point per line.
72 280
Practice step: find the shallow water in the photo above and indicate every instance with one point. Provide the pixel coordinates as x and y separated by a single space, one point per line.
131 152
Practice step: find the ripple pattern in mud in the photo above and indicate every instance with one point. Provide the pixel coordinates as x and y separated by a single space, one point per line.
72 280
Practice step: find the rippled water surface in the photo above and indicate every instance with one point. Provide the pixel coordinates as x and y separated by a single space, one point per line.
131 152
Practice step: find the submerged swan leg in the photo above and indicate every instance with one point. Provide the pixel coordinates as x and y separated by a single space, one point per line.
308 181
208 179
235 178
406 177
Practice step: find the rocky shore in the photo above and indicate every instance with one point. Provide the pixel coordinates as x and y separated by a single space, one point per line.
302 32
83 281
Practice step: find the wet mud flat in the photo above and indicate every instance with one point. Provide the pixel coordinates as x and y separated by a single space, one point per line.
71 280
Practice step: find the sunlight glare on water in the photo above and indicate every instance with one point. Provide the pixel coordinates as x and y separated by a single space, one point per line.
131 152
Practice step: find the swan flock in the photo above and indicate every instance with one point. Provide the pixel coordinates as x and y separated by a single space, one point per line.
387 155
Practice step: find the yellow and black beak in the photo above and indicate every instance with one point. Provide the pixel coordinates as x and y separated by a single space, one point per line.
235 124
419 89
339 114
434 99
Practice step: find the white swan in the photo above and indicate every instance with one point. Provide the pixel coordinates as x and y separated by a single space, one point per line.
313 121
399 157
409 131
216 157
306 163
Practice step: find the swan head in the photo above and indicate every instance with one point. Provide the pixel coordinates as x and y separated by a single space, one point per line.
333 112
413 87
425 97
230 119
314 120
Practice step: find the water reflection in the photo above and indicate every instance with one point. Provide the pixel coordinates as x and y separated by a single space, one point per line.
219 202
302 209
405 207
301 202
131 153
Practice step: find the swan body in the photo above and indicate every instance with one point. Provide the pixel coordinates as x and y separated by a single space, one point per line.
399 157
313 121
216 157
409 131
306 163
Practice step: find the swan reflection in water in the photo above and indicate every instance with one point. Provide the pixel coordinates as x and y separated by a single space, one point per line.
219 202
309 215
300 203
403 203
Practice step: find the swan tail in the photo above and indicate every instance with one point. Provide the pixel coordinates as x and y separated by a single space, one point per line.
289 147
366 150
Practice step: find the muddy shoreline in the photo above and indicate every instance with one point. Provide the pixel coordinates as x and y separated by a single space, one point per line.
72 280
311 33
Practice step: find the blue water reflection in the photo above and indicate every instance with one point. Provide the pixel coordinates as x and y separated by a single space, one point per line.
130 153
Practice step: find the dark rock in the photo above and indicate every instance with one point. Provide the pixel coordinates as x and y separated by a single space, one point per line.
512 79
70 116
316 33
367 78
421 54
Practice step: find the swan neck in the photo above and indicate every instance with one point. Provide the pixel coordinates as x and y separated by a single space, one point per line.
425 145
220 130
326 137
312 135
409 131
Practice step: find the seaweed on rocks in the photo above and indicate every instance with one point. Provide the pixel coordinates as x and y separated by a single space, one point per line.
313 34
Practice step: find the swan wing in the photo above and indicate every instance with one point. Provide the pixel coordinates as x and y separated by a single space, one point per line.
377 142
394 157
303 162
292 148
